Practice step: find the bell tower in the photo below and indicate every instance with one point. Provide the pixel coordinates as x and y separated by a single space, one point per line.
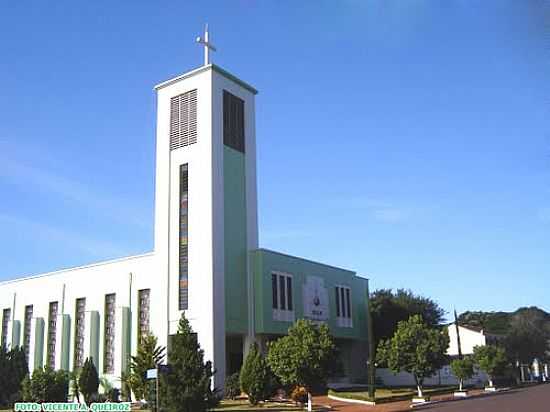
206 204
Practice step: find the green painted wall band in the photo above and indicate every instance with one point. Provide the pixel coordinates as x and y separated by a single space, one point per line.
16 334
126 338
65 341
94 338
235 244
39 343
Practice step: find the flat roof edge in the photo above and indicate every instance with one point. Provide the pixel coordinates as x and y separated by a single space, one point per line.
91 265
201 69
261 249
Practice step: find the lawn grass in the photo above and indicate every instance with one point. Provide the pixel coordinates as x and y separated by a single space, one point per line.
392 394
244 406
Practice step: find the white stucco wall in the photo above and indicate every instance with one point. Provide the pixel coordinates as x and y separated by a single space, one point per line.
468 340
123 277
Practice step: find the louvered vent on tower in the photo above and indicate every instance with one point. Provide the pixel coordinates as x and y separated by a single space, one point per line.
183 120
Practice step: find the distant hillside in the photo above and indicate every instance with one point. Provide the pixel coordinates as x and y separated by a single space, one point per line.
499 322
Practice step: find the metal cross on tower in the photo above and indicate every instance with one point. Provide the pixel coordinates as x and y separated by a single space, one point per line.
207 46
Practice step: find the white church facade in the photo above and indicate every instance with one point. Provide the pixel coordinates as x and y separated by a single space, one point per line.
206 260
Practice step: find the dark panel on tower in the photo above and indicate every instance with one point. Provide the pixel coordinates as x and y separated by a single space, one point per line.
233 121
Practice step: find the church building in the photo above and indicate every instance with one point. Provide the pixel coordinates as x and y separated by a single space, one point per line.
206 260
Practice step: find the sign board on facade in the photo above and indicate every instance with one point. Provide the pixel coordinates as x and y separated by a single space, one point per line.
316 304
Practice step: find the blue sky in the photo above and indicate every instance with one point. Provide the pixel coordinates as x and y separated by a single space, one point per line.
407 140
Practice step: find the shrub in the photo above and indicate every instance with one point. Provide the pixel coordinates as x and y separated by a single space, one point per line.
88 381
255 376
232 386
299 395
13 369
46 385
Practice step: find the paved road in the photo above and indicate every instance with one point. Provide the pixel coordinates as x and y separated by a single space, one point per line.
532 399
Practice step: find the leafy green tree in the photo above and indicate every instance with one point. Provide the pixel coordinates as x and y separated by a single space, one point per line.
415 348
463 369
88 380
149 355
388 308
528 336
255 376
491 360
305 357
46 385
187 385
13 369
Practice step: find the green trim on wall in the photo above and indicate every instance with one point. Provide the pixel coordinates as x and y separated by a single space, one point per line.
16 334
39 343
94 338
126 338
65 341
235 244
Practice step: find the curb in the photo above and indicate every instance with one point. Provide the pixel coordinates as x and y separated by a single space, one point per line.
337 398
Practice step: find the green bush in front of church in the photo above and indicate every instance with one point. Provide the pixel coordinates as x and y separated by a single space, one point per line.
45 385
88 380
13 369
149 355
186 387
305 357
255 377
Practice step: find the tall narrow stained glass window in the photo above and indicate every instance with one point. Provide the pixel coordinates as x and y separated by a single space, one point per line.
143 312
6 315
27 330
184 239
52 329
109 334
80 314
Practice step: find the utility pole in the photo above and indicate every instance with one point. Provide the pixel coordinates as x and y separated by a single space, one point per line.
371 363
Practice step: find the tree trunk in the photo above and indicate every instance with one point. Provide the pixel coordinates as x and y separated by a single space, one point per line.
460 385
309 403
418 385
490 382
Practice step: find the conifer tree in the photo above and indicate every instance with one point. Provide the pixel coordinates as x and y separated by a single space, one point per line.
148 356
88 380
187 384
255 376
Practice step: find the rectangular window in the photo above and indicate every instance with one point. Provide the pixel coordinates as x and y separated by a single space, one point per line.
289 292
274 291
281 289
52 329
183 120
337 289
109 334
282 293
233 121
27 330
80 315
343 306
143 312
184 239
348 302
6 315
343 303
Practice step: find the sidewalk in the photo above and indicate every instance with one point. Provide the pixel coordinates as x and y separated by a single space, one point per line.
400 406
